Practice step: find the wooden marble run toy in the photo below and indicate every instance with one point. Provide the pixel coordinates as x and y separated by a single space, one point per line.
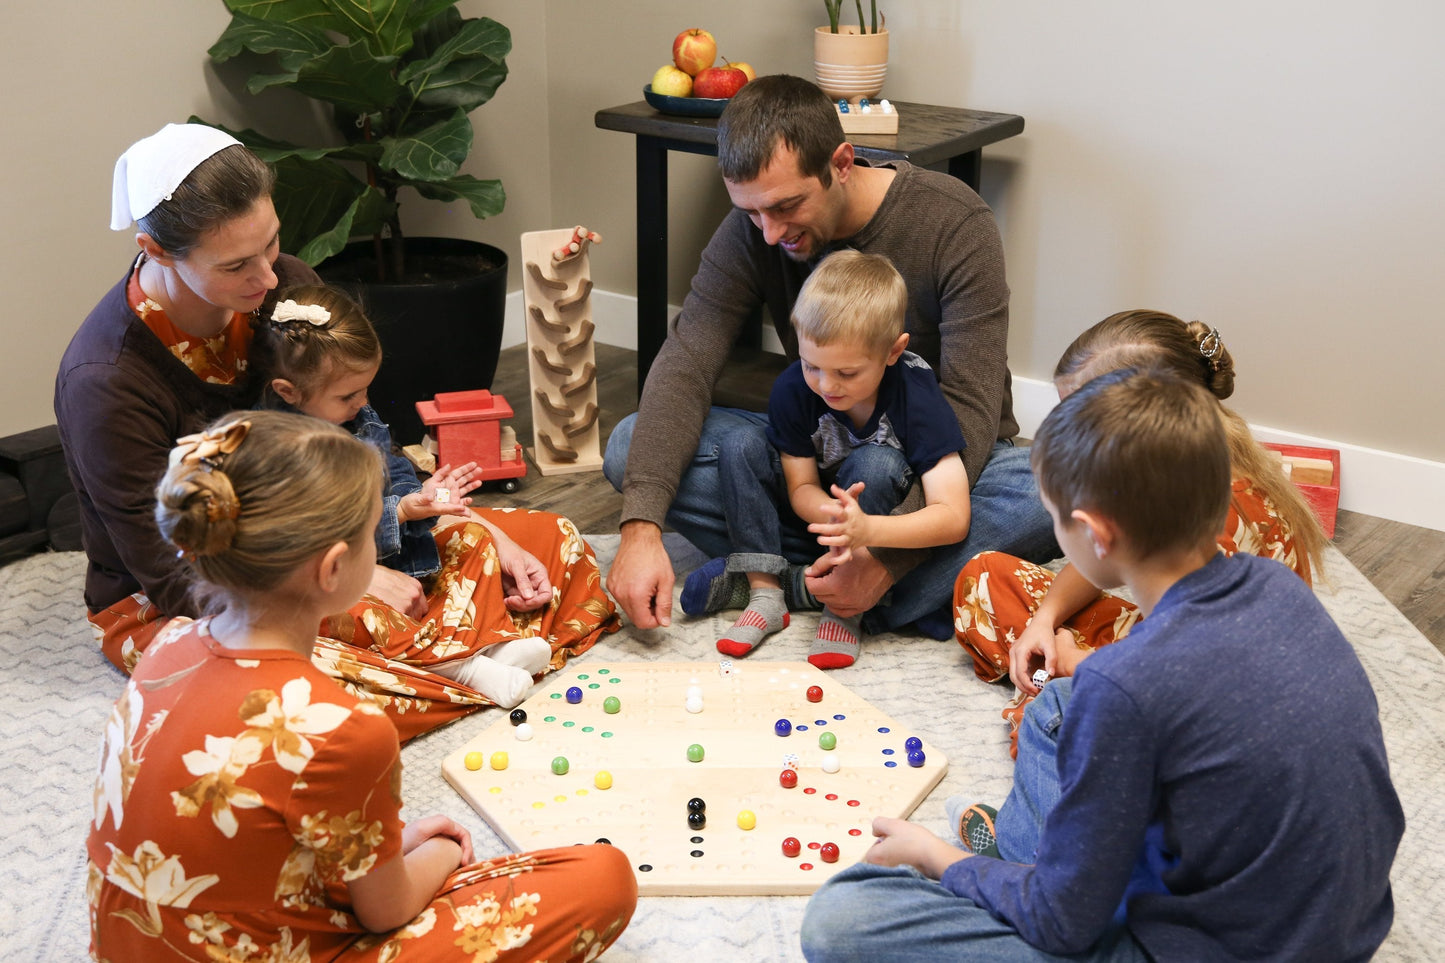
468 427
561 357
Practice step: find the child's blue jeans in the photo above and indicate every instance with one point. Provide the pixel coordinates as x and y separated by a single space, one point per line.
755 499
872 912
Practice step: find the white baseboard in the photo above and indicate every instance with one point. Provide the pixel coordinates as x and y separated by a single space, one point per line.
1402 488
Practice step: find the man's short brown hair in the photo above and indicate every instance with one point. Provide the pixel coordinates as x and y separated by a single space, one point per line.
775 110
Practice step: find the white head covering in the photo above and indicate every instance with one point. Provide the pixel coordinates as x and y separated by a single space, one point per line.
152 168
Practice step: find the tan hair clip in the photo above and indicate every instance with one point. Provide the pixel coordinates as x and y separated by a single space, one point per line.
209 447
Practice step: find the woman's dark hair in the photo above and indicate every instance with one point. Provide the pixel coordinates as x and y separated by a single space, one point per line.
223 186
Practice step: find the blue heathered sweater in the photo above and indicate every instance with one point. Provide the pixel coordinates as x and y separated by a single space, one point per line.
1233 741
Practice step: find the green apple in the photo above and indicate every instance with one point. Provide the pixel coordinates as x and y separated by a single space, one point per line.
671 82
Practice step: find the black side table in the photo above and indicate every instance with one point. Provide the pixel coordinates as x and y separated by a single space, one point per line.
927 135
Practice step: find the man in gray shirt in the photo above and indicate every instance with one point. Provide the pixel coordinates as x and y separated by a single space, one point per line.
798 193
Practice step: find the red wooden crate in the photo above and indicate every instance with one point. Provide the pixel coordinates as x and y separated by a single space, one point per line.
1323 498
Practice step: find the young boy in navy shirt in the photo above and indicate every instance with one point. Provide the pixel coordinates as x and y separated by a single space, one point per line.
853 424
1214 786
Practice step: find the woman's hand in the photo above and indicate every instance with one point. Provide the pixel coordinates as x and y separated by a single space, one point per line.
525 586
455 482
901 843
414 834
398 590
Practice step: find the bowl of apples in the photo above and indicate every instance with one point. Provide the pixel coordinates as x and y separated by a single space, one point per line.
691 86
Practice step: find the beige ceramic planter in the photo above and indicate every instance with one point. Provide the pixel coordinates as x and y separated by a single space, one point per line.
850 65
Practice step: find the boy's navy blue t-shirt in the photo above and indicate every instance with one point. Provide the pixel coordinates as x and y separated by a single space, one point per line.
910 415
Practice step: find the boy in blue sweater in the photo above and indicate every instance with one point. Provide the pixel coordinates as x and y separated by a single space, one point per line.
1214 786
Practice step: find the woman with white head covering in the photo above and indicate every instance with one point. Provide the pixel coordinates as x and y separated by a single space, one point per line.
165 353
162 355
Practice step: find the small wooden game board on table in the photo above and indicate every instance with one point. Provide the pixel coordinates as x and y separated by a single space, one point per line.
642 754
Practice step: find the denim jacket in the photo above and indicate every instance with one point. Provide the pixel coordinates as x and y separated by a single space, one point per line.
407 547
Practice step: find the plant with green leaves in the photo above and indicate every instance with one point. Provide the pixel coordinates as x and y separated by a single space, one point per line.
835 9
401 77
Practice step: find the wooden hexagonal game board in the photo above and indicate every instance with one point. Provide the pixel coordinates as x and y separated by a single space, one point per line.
642 753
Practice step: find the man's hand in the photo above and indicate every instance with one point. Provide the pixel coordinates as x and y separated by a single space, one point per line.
641 578
398 590
848 588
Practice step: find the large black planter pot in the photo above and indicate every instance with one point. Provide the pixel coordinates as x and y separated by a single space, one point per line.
441 330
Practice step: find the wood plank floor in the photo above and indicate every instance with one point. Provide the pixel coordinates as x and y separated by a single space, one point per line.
1406 563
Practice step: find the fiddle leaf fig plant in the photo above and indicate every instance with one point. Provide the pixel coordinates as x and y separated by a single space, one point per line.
401 78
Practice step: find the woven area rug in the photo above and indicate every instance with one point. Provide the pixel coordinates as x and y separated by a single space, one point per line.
57 690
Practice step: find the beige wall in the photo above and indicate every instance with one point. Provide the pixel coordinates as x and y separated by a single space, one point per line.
1267 168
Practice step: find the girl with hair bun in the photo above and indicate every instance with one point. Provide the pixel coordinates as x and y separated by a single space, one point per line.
317 353
1014 617
247 807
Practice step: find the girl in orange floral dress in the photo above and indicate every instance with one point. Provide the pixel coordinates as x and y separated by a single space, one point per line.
1014 617
317 353
246 806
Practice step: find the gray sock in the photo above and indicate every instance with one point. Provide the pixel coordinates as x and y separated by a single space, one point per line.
712 588
836 644
766 613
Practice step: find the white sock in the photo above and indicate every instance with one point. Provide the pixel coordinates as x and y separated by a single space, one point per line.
532 654
506 685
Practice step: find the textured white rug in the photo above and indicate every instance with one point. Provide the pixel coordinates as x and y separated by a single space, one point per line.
55 690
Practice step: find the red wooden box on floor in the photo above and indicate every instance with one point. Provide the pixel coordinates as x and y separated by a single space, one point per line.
1323 496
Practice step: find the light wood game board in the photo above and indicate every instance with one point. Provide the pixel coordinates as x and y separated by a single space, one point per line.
644 747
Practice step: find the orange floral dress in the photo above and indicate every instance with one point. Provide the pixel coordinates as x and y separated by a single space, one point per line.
240 791
995 594
373 651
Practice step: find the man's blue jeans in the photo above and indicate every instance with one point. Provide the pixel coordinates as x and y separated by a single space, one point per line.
1007 516
868 912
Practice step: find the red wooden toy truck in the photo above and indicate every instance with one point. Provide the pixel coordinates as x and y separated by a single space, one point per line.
467 426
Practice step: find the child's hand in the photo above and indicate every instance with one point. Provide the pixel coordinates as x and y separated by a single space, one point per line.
441 494
1059 651
398 590
414 834
525 585
901 843
850 528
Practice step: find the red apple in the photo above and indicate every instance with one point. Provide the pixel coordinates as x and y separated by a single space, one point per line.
720 82
694 51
